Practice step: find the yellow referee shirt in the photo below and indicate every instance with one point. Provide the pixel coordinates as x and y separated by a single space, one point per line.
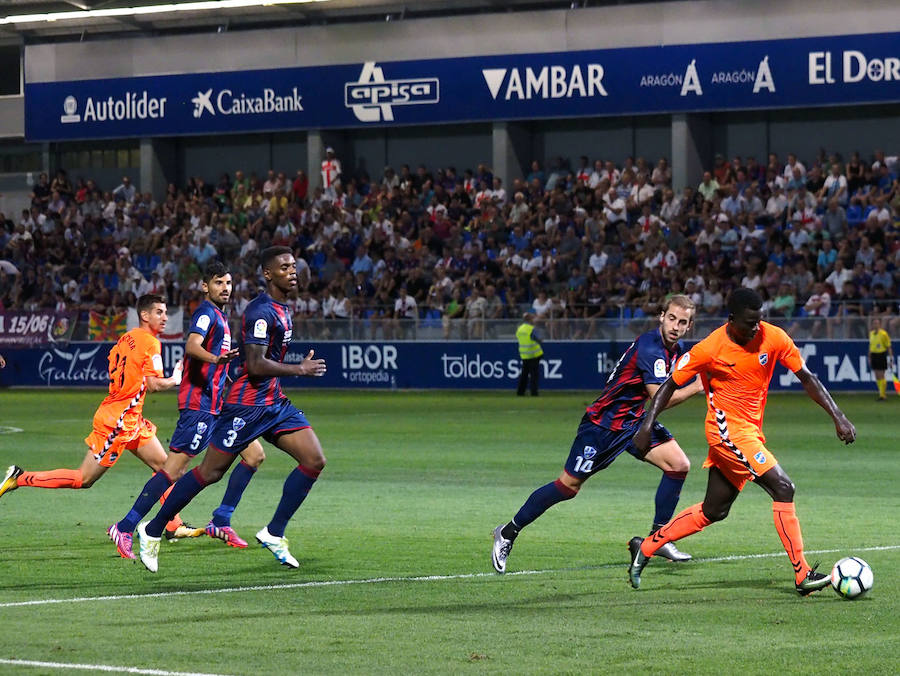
879 341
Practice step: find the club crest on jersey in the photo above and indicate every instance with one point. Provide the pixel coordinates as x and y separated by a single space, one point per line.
589 452
764 358
237 424
760 458
201 427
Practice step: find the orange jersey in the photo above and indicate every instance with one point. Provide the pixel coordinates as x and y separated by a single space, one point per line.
138 354
736 379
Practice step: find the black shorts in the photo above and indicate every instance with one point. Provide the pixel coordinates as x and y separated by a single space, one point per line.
879 361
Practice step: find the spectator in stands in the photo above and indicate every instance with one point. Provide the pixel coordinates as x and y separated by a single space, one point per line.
125 192
835 187
331 173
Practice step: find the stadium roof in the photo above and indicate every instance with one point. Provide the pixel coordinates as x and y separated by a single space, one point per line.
54 20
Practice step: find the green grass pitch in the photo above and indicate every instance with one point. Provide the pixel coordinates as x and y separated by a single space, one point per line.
394 544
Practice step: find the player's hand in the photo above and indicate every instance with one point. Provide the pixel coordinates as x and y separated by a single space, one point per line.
641 440
2 362
312 367
178 371
846 432
227 356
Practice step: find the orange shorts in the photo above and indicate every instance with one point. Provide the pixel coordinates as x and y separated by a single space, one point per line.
107 443
740 461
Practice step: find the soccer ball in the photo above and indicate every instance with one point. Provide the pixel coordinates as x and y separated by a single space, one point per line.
851 577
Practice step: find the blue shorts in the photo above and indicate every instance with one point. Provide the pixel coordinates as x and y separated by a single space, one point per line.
192 432
237 425
596 447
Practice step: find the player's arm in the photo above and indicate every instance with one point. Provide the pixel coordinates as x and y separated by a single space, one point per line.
681 394
845 430
658 403
194 350
259 366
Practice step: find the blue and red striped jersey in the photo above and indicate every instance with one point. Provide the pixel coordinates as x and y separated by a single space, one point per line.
647 361
203 384
265 322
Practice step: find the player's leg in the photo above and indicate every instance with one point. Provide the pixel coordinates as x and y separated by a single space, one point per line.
220 524
83 477
150 451
214 465
673 462
294 436
721 493
780 488
304 447
105 445
158 484
584 461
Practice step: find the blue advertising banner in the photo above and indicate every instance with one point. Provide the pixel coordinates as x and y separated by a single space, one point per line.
582 365
816 71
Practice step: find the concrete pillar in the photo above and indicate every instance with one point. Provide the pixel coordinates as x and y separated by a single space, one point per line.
691 148
511 151
158 165
315 153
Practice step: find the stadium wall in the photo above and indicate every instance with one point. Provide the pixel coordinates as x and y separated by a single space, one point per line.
803 131
576 365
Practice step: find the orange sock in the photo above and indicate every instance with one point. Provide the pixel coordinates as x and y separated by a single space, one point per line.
55 478
788 526
690 521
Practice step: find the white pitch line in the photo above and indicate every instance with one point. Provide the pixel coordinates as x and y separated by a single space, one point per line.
102 667
381 580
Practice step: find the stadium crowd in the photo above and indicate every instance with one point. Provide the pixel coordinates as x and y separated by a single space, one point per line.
586 240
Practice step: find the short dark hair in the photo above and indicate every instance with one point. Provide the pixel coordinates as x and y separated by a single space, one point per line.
271 253
214 269
148 300
744 299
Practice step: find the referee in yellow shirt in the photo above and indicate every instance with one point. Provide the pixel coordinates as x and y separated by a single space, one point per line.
879 351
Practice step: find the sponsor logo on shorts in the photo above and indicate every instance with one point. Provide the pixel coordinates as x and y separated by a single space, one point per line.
589 452
237 424
112 457
760 458
201 427
764 358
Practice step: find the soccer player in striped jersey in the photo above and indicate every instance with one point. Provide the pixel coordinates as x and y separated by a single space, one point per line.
255 406
735 364
135 369
200 396
609 424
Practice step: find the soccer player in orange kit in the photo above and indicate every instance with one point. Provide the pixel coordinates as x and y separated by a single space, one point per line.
135 368
736 363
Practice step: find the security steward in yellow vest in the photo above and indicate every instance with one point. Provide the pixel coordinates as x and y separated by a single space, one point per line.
530 351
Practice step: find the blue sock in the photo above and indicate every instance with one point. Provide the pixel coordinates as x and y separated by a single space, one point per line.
151 492
237 483
185 489
296 488
667 497
540 501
